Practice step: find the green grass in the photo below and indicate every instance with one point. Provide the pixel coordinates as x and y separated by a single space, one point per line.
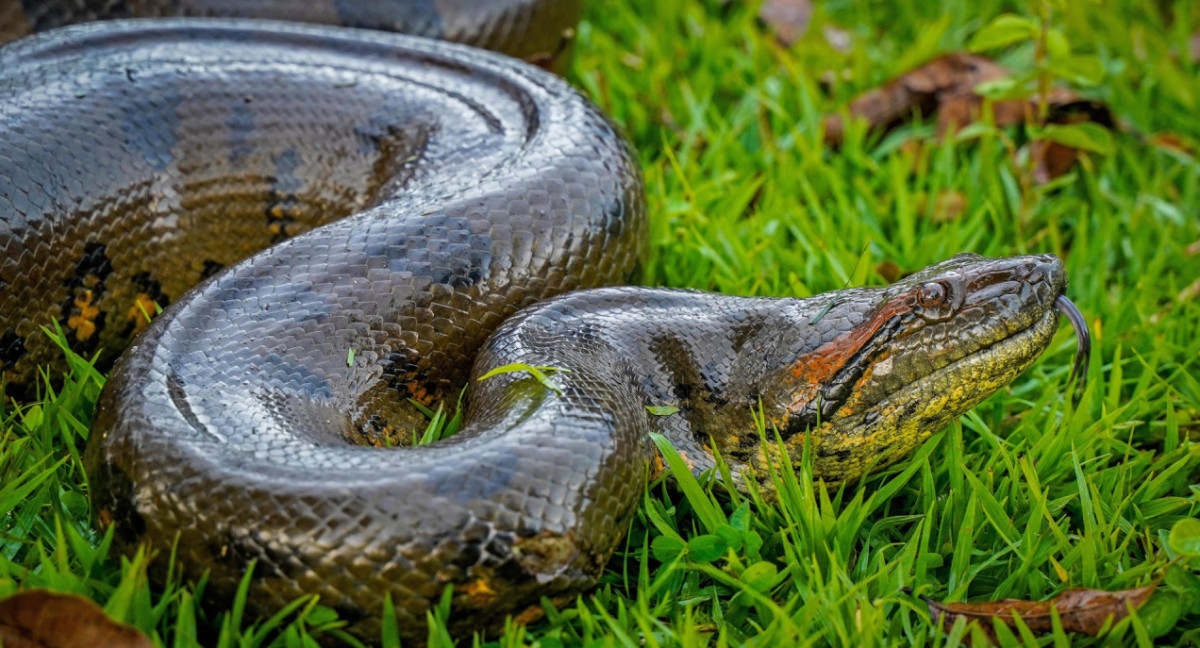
1023 498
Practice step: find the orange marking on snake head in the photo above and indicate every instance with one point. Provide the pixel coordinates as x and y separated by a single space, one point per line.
820 366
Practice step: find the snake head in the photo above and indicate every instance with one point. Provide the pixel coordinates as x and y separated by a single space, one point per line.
886 367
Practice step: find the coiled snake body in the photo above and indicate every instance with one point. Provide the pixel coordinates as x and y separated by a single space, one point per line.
409 196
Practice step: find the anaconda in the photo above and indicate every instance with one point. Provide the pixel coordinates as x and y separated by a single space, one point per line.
418 207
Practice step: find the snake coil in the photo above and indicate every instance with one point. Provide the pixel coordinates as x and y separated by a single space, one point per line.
338 222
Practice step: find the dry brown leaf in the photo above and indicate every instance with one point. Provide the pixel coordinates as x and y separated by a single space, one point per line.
42 619
1054 159
1080 610
945 88
787 18
947 82
1051 160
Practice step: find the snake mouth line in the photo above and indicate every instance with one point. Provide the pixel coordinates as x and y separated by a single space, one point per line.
1036 335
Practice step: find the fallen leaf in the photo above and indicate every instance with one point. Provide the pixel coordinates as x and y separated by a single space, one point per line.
1080 610
948 79
43 619
787 18
945 88
1051 160
1055 156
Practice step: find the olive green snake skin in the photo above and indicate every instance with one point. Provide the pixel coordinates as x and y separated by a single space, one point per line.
337 221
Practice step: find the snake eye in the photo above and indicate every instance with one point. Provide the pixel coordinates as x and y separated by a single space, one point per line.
932 295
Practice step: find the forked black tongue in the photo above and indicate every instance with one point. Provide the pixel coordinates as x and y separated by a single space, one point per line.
1083 350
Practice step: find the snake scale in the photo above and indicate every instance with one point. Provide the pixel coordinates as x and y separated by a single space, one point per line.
338 222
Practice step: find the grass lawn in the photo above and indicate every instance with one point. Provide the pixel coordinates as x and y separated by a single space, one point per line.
1024 497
